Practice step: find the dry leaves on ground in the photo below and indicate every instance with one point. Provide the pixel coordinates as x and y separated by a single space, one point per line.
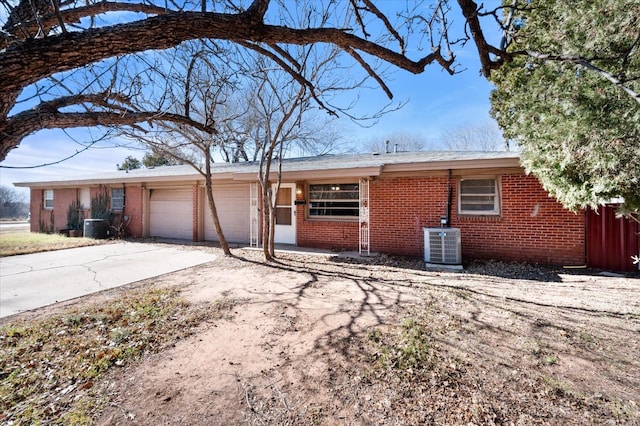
329 340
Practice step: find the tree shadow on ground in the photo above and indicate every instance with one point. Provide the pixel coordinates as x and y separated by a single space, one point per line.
517 355
501 269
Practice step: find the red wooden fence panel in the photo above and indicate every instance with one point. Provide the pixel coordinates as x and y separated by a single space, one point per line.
611 241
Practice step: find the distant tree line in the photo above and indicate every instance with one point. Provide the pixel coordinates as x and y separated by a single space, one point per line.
149 161
13 204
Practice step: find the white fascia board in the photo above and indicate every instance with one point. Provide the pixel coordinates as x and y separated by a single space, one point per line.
453 164
108 181
315 174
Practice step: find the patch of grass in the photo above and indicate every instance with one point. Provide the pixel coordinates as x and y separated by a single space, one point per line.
559 388
623 412
586 337
535 347
48 367
540 350
410 350
33 242
551 359
375 335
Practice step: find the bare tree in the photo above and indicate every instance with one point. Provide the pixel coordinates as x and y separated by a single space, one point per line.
198 86
279 110
475 137
254 110
244 137
13 204
43 44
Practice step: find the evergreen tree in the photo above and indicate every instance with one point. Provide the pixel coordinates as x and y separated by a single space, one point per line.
157 159
567 98
130 163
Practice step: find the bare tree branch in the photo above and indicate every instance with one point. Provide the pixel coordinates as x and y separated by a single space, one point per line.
296 75
60 17
371 71
40 40
485 50
48 116
161 32
372 7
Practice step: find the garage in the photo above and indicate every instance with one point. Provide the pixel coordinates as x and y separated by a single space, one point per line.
171 213
232 203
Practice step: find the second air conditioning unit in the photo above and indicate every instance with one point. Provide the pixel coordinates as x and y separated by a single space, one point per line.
442 246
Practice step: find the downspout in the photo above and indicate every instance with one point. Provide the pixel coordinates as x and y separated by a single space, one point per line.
449 195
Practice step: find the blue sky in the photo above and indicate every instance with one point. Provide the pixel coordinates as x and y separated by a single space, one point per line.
436 102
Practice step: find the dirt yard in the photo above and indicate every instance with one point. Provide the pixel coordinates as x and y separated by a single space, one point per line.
328 340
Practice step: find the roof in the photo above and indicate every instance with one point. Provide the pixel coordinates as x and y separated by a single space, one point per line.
329 166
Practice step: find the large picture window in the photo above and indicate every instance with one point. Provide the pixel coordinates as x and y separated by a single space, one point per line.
339 200
479 196
48 199
117 199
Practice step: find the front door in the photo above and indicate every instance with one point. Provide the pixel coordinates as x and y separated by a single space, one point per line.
285 228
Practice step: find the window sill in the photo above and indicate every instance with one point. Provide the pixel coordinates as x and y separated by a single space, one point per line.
332 219
479 218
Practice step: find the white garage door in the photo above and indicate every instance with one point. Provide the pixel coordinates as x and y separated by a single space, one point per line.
171 213
232 204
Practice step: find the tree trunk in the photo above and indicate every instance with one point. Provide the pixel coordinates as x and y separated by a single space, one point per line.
216 220
272 218
266 219
212 205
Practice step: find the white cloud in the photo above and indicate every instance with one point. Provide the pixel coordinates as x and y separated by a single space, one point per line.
52 146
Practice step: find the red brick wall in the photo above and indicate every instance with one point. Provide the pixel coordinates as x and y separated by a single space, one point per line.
332 235
400 208
62 198
133 209
532 227
36 210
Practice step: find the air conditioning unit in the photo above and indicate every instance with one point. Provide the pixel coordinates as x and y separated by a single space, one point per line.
442 246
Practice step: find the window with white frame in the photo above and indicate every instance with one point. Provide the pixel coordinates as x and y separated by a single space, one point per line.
337 200
117 199
47 200
479 196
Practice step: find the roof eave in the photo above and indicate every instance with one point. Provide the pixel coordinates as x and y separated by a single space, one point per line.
354 172
108 181
492 163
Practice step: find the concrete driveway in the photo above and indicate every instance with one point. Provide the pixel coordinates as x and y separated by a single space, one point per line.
34 280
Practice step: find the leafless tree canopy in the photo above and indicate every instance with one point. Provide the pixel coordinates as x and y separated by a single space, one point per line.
46 44
77 63
475 137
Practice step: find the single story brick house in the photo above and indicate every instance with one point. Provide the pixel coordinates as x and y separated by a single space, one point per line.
367 202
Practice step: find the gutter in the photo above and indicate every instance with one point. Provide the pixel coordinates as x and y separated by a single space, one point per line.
449 195
317 174
453 164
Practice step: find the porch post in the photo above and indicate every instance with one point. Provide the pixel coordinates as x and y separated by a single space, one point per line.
364 218
254 215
